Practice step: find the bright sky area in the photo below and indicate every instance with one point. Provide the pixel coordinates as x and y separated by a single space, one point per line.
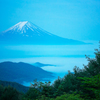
74 19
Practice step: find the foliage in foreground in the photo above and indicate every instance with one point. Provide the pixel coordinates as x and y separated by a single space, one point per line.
84 84
68 97
9 93
91 86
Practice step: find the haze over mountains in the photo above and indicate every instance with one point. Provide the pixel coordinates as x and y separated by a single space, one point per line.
38 64
22 72
28 33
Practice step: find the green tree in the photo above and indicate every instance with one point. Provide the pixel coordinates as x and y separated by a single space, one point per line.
68 97
1 91
91 87
32 93
10 93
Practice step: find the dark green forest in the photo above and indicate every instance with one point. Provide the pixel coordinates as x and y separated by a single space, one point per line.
83 84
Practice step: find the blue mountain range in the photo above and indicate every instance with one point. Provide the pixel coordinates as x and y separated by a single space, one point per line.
20 72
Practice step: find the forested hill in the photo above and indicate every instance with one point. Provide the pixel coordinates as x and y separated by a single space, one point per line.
15 85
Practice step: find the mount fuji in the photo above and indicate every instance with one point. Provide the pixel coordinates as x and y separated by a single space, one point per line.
28 33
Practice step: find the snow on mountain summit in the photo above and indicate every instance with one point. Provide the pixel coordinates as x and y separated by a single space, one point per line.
21 24
26 28
22 27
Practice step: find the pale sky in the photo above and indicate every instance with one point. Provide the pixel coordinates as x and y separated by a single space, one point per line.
74 19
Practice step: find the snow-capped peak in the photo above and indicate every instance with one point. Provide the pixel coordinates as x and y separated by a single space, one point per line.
22 27
21 24
27 28
18 26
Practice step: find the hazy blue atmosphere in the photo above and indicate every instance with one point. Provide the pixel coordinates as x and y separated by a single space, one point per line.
62 57
75 19
71 19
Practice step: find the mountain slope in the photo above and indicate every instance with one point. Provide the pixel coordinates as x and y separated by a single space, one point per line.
20 72
15 85
29 33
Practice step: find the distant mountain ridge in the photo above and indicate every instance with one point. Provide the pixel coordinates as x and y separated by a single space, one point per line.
38 64
28 33
20 72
